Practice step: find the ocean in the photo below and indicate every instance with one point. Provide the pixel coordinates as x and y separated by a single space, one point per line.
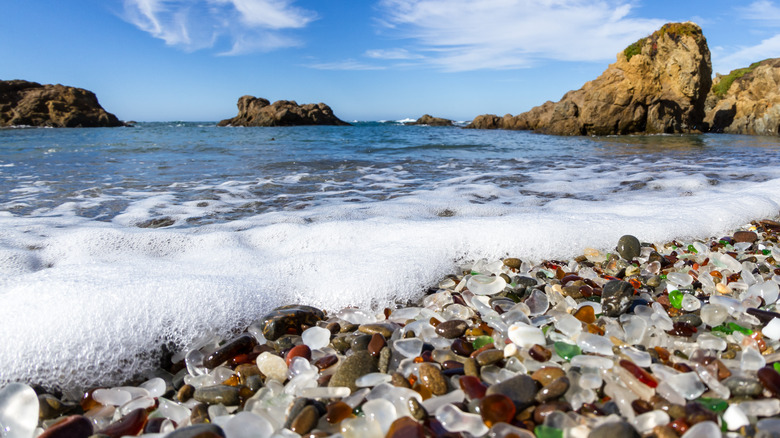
115 242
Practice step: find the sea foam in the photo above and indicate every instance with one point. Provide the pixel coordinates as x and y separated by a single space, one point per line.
89 302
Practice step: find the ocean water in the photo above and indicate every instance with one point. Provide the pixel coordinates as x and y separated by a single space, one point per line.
114 242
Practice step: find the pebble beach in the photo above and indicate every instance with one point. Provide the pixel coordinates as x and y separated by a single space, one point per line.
670 339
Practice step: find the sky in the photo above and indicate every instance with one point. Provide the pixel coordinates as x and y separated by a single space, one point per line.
190 60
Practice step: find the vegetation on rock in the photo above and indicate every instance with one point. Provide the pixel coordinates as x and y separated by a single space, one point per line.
722 87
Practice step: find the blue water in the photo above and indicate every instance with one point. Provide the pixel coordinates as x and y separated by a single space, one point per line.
115 241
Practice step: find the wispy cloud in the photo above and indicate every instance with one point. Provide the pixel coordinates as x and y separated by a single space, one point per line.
393 54
459 35
762 13
249 25
349 64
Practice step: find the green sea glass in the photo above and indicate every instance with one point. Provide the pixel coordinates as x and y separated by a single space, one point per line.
481 341
566 351
676 297
543 431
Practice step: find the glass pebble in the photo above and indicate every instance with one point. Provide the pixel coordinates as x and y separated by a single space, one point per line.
751 360
679 278
705 429
316 337
645 423
690 303
591 343
111 397
273 366
485 285
525 335
735 417
687 384
411 347
361 427
155 386
247 425
172 410
772 329
18 411
381 411
455 420
373 379
537 302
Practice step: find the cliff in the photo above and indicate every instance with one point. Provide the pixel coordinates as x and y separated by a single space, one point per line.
256 111
657 85
747 100
33 104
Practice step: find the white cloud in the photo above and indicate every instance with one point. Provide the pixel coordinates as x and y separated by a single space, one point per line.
762 10
764 14
349 64
249 25
461 35
394 54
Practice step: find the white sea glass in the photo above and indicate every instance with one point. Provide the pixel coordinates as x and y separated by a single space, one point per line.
455 420
485 285
18 411
316 337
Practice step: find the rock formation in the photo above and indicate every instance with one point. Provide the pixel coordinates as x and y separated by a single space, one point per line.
747 100
256 111
431 121
33 104
658 85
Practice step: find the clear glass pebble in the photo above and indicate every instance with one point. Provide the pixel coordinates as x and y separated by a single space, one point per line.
156 387
455 420
372 379
768 290
524 335
485 285
769 407
705 429
645 423
504 430
194 362
18 411
735 417
537 303
679 278
568 324
768 425
589 342
690 303
381 411
272 366
172 410
247 425
361 427
751 360
687 385
714 314
411 347
316 337
325 392
111 396
772 329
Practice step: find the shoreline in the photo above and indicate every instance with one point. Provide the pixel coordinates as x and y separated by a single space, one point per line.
680 339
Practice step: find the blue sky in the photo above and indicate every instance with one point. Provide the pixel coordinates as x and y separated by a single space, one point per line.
151 60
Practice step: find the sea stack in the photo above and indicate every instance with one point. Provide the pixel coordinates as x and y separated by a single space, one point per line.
429 120
24 103
747 100
658 85
256 111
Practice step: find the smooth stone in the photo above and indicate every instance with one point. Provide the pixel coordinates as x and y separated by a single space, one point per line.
470 367
198 431
130 424
689 318
553 390
75 426
616 297
185 393
216 394
284 319
745 236
200 414
452 329
384 359
416 409
245 371
18 410
743 386
354 366
360 342
521 389
545 375
384 329
543 410
306 420
233 348
376 344
341 343
302 350
489 357
614 429
432 378
398 379
512 262
629 247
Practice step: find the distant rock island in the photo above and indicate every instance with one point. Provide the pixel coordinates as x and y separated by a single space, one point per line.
747 100
658 85
24 103
256 111
429 120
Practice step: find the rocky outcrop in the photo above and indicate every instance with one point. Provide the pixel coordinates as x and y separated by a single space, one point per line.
658 85
256 111
429 120
747 100
32 104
